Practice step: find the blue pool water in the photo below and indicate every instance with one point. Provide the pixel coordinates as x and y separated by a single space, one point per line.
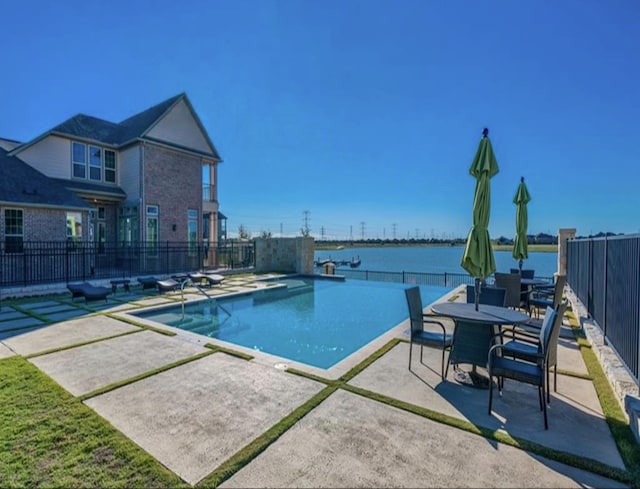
316 322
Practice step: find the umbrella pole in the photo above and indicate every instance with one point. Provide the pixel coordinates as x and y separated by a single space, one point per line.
477 292
520 265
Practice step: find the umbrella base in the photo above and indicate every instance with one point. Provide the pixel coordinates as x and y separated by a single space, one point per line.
471 378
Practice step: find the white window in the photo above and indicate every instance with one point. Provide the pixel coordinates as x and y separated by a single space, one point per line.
152 230
95 163
98 162
79 159
13 230
192 230
109 166
74 227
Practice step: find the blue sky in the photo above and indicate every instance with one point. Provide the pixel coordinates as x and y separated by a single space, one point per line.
359 111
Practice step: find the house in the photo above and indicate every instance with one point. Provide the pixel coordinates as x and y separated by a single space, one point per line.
146 180
543 238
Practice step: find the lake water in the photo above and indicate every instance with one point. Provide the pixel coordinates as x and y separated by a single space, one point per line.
434 259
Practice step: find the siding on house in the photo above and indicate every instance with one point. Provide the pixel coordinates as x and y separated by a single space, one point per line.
179 127
51 156
129 171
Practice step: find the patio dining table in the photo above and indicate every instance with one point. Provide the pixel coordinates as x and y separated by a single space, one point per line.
533 282
474 333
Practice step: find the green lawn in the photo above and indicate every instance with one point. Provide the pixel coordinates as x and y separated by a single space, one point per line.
48 438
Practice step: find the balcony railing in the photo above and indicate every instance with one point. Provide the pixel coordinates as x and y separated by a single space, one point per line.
209 193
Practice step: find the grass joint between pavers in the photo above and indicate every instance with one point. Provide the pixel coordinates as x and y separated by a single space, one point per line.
262 442
144 375
81 343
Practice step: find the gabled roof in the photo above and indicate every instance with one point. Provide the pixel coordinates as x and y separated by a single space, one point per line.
118 134
137 125
87 127
23 184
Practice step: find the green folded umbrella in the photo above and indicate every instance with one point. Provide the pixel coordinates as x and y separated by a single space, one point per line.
520 248
478 257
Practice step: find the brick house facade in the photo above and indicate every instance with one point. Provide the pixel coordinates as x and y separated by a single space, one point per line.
149 178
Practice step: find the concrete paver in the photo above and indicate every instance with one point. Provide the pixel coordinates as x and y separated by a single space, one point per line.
67 333
89 367
4 335
18 323
350 441
32 306
53 308
193 417
5 352
9 313
68 314
576 422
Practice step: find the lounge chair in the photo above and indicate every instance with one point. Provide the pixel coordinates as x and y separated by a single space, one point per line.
92 293
422 337
167 285
76 289
148 282
212 279
88 291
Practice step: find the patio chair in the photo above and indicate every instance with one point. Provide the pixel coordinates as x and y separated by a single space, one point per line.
501 366
167 285
513 293
148 282
524 345
492 296
524 289
422 337
543 299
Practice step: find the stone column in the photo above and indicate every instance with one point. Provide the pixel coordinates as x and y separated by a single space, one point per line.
285 255
564 235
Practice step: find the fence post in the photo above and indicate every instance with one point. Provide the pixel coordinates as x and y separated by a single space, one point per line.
445 279
66 256
606 270
403 278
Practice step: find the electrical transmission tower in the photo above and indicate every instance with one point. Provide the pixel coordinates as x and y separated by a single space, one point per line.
362 223
306 231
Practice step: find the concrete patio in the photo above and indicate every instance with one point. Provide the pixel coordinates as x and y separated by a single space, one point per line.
387 426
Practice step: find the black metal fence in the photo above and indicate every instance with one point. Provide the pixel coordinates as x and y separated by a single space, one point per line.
53 262
418 278
605 275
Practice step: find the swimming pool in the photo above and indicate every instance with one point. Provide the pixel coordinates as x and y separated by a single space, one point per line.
317 322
